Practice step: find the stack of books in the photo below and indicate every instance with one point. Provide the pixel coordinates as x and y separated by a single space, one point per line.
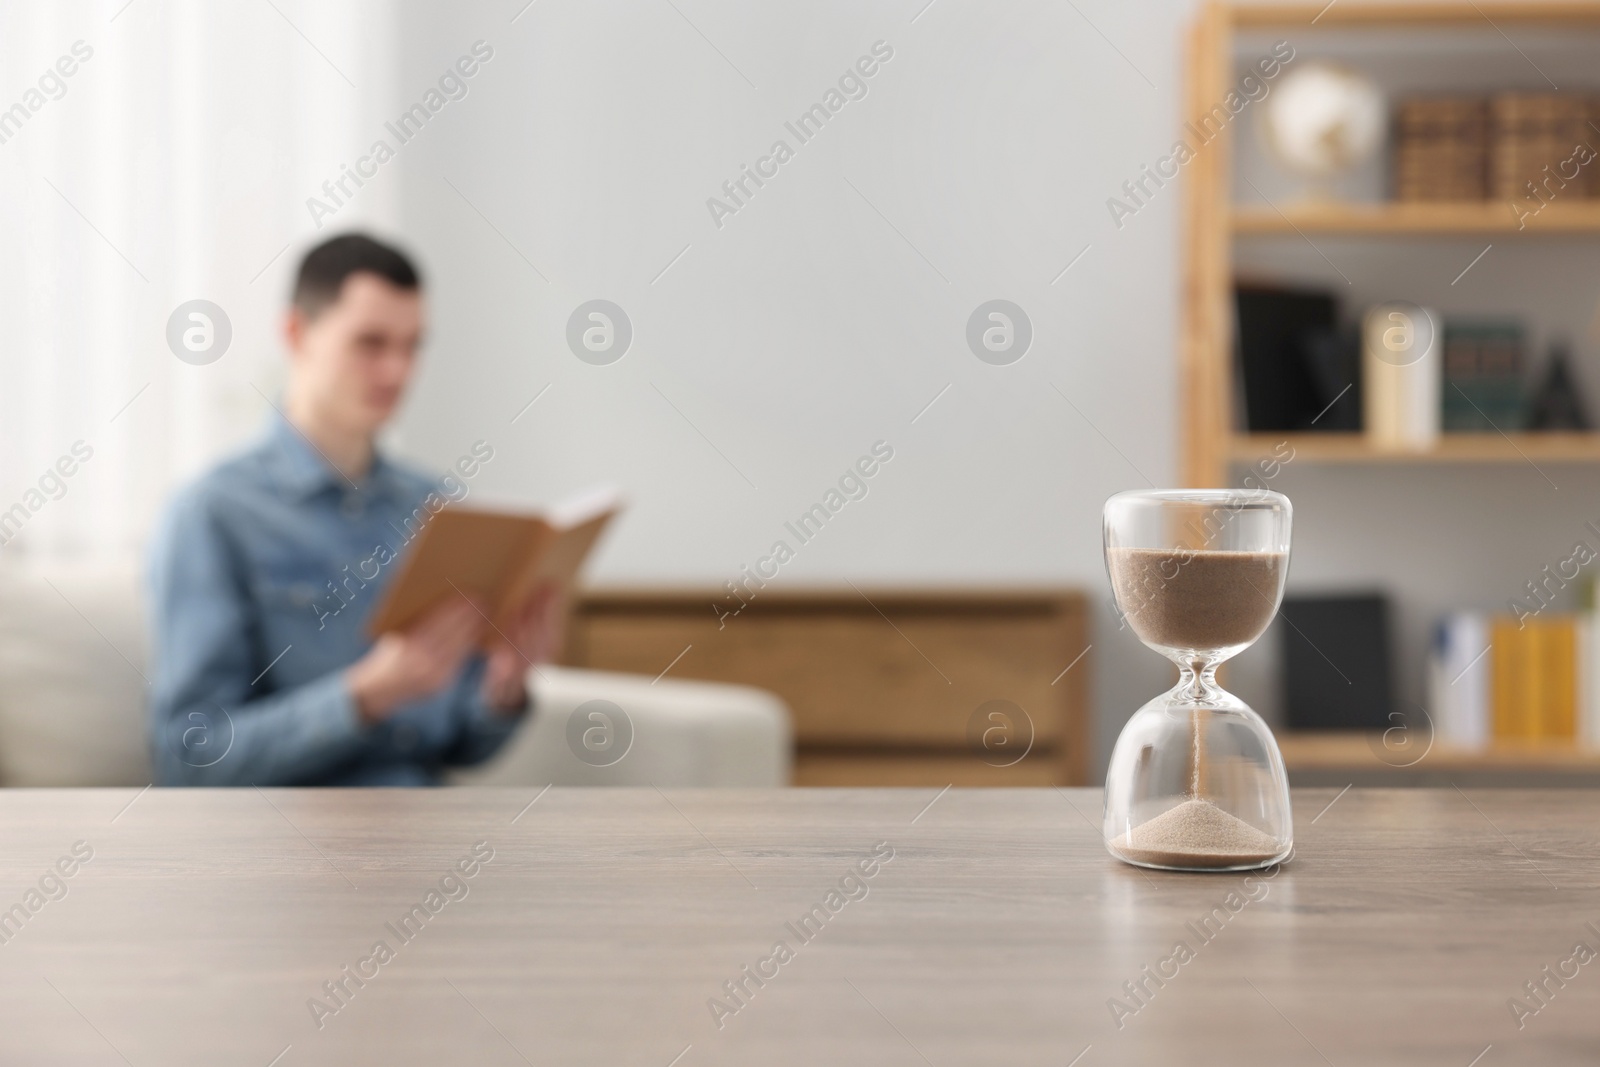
1495 678
1533 138
1441 148
1513 146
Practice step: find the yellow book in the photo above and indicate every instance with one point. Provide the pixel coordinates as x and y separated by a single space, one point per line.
1530 705
1505 681
1559 718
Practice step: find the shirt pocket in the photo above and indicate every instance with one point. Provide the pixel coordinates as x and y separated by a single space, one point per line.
296 604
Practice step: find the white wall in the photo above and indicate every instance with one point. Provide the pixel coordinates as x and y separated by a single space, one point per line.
807 328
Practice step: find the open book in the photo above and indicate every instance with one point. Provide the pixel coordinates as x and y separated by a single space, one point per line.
499 557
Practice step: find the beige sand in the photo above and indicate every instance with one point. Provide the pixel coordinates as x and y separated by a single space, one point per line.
1196 600
1196 833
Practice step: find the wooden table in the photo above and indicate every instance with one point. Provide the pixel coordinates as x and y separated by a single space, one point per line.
999 932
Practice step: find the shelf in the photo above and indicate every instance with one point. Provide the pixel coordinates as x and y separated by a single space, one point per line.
1475 217
1452 448
1487 13
1366 752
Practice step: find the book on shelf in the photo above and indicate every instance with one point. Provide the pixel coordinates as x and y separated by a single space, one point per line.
1498 677
1483 383
1458 680
1520 148
1441 148
1508 680
1557 716
1533 138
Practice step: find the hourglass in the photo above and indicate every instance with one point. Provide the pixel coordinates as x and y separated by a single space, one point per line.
1196 781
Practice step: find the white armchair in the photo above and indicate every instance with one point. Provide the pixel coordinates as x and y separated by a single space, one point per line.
72 704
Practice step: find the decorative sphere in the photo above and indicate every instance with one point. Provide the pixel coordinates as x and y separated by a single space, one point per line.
1324 118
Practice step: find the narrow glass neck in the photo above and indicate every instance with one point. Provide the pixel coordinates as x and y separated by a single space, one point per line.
1197 682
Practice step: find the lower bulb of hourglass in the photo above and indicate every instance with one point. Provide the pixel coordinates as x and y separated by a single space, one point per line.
1197 786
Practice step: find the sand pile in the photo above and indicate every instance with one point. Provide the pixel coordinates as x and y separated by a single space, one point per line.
1196 833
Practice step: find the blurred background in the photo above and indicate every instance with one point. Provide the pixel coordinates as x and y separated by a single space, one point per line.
1175 318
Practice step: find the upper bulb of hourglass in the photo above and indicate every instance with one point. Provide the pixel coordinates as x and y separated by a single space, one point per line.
1197 606
1198 574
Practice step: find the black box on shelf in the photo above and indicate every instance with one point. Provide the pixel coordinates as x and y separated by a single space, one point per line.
1299 370
1337 662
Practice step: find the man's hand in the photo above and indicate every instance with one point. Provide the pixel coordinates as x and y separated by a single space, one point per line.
532 637
402 667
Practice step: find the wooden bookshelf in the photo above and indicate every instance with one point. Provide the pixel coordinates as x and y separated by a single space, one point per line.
1361 752
1212 450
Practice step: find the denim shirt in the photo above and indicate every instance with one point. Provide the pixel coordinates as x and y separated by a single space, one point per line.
263 579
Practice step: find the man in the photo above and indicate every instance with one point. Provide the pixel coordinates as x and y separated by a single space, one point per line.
264 671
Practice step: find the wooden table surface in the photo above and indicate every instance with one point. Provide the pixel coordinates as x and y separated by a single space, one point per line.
608 920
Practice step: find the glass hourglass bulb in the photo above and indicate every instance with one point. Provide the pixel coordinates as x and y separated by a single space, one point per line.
1196 781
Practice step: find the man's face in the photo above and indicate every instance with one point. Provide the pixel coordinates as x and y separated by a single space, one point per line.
351 363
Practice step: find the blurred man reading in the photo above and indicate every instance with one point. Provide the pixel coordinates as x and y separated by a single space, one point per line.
258 679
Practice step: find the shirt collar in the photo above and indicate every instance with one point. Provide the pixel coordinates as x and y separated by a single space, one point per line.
304 471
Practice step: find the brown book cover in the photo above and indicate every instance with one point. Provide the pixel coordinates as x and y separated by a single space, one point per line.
1534 137
1441 147
499 557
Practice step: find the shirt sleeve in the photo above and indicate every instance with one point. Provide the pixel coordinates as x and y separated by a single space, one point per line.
480 729
205 728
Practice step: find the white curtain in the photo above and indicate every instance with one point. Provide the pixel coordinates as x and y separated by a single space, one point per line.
172 163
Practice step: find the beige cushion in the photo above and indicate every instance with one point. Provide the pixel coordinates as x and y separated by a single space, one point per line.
72 708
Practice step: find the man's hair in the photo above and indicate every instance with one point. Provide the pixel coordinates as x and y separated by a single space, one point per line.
324 269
